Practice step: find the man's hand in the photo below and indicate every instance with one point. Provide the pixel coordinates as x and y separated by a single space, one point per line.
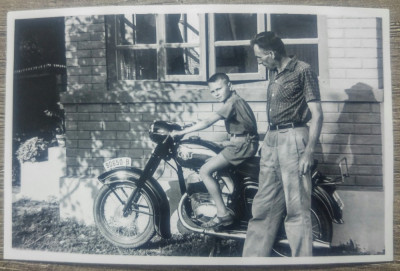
305 162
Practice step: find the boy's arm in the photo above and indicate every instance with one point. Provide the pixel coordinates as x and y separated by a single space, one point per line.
213 118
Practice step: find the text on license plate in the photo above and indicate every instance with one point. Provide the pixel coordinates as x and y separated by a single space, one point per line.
117 162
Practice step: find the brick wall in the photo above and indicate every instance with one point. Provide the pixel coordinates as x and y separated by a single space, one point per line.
102 131
103 124
352 130
85 53
354 52
352 124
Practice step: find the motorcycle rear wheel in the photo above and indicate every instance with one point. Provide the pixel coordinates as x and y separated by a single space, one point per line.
321 230
131 231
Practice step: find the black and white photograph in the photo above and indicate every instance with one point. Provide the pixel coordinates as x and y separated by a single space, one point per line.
199 135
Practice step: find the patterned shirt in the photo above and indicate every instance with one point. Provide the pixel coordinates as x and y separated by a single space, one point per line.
289 91
238 116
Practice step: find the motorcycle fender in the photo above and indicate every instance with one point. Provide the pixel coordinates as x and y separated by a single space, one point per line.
328 203
162 212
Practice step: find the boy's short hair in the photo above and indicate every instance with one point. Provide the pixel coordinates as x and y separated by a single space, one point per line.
268 40
219 76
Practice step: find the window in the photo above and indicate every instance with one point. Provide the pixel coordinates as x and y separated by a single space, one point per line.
230 50
187 47
163 47
300 35
230 36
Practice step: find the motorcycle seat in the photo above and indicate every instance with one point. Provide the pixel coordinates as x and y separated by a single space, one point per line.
250 167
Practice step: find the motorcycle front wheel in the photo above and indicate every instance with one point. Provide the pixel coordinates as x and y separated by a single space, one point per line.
132 230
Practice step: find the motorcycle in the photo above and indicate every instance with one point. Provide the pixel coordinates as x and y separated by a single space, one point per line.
131 206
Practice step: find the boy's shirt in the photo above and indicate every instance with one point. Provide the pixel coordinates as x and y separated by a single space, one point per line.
238 116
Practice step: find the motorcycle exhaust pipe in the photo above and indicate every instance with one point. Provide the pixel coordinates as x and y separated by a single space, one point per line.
239 235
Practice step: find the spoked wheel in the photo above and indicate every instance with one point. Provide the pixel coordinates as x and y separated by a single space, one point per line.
321 230
132 230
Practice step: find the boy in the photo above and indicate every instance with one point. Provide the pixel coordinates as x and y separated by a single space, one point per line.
241 124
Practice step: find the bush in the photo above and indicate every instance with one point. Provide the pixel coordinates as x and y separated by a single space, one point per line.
32 150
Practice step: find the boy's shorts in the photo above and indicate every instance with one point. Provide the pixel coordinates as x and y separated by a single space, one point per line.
239 149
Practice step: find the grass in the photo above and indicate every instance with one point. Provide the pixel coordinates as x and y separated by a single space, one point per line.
37 226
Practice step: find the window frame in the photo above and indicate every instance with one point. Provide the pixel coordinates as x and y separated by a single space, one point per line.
320 41
212 44
207 46
160 46
201 45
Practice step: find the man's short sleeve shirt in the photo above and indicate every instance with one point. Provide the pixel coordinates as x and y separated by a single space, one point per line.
290 91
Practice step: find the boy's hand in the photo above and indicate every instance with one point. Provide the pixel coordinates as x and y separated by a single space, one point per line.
189 125
226 143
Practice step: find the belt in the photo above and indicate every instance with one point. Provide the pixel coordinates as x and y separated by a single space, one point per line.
285 126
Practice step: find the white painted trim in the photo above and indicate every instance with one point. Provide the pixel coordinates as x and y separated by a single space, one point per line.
323 64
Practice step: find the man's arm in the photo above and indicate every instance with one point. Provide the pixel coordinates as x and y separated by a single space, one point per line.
213 118
315 130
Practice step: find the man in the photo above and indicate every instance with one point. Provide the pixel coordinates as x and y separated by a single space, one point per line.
241 124
293 100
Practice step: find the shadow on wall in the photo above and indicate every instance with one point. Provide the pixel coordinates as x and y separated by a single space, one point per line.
116 124
108 118
356 135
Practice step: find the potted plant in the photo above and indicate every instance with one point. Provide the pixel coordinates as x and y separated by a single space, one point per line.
32 150
60 136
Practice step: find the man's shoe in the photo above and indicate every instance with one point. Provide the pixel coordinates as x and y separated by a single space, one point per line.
218 221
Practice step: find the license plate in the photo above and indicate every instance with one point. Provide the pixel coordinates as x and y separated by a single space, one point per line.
338 200
117 163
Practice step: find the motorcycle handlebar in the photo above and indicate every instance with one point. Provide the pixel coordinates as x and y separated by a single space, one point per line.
188 125
179 137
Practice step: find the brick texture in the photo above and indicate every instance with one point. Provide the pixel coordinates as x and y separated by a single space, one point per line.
97 132
350 130
354 52
85 52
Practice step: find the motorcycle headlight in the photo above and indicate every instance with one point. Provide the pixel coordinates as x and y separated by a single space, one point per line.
158 131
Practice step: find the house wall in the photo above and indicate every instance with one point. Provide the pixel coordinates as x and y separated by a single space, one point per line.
354 53
85 53
103 124
353 99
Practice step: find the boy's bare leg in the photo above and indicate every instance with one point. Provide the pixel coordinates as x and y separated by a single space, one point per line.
214 164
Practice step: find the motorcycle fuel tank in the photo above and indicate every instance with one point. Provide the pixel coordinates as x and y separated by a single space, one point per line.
193 154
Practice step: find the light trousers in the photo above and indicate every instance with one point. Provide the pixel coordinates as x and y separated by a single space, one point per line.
281 186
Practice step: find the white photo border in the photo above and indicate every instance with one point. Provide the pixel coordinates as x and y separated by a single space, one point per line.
387 138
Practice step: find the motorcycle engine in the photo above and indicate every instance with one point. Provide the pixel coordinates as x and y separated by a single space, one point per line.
202 204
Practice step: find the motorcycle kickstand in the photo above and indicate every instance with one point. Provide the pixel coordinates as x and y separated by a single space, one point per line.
216 246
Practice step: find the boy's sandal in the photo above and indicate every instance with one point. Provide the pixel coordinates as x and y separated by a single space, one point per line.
218 221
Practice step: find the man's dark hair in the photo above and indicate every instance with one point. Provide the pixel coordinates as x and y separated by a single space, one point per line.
268 40
219 76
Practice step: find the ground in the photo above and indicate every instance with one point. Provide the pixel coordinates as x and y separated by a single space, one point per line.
37 226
